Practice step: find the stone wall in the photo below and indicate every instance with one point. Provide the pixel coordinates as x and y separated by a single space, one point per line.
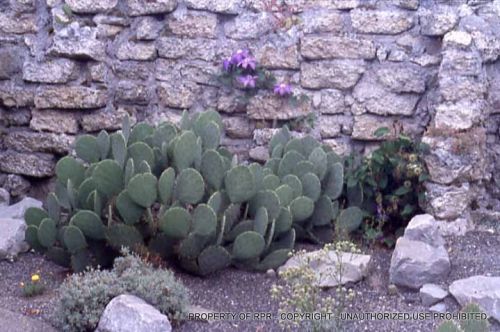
429 67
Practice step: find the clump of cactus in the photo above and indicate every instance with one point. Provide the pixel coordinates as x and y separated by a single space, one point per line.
173 190
472 322
308 178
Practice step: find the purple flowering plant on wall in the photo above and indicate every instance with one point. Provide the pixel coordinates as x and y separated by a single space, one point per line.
241 71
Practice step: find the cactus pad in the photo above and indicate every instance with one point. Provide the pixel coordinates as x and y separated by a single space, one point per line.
119 148
335 181
87 149
184 151
89 223
284 221
323 212
166 185
248 245
141 152
142 189
130 212
240 184
108 176
68 168
350 219
212 259
34 216
176 222
302 208
121 235
311 186
294 182
190 187
212 168
204 220
289 162
268 199
47 233
74 239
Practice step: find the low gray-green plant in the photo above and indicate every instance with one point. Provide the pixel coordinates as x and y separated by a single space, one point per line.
470 324
84 296
301 291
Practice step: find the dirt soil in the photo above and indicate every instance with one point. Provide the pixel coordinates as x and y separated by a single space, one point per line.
239 291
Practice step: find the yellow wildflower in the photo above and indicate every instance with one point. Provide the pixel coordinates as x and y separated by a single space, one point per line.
35 278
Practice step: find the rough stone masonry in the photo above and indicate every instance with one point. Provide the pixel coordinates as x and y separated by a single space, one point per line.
429 66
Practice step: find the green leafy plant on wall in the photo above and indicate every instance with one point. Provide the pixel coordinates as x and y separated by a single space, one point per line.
388 185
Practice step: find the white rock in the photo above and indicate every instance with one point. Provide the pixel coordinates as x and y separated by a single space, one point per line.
12 238
355 266
431 294
423 228
485 291
456 227
4 197
415 263
128 313
440 307
16 211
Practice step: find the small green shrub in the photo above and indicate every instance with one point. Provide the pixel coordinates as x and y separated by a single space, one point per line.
84 296
388 186
301 294
470 324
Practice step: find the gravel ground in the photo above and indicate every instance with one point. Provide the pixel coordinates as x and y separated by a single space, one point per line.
238 291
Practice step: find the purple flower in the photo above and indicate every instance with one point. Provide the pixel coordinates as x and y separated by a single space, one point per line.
248 81
283 89
239 55
248 62
227 64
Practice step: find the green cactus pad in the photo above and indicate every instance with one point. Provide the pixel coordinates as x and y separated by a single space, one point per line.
74 239
104 143
274 260
184 150
212 259
31 236
284 221
166 185
34 216
204 220
142 189
190 187
248 245
190 247
273 164
119 148
95 202
278 151
209 134
332 158
304 145
294 182
270 182
303 168
176 222
108 176
258 174
129 211
89 223
62 194
59 256
164 134
335 181
232 215
311 186
84 190
239 228
80 260
139 133
212 168
268 199
350 219
284 241
121 235
215 202
261 221
280 138
301 208
53 207
289 162
319 159
87 149
206 117
335 209
141 152
449 326
285 194
129 171
323 212
47 233
240 184
69 168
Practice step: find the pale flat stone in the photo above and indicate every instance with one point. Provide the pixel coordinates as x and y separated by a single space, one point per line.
12 237
431 294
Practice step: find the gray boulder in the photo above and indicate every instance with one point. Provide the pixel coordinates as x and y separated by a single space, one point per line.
4 197
483 290
128 313
12 238
423 228
431 294
415 263
16 211
325 266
